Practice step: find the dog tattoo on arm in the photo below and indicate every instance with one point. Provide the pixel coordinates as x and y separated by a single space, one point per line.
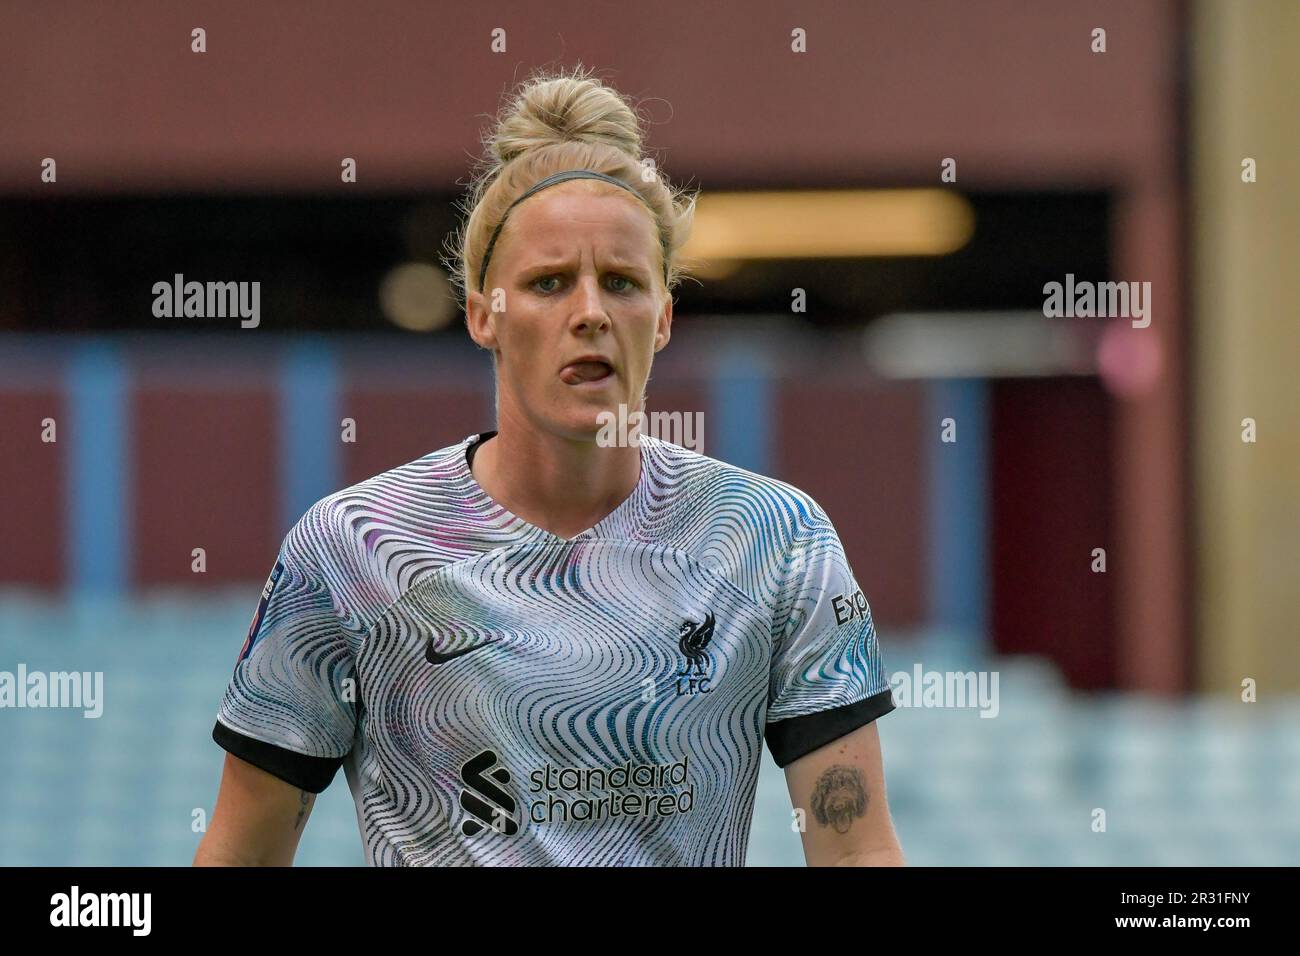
839 797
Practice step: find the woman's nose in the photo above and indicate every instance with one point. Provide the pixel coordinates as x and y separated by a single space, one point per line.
589 309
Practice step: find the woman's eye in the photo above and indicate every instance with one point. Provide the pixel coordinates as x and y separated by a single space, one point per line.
627 285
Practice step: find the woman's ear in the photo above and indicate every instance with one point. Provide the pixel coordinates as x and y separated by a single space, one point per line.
480 321
664 329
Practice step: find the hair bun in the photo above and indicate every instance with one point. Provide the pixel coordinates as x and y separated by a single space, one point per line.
551 122
562 108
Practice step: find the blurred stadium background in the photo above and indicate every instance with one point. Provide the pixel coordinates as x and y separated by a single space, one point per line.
1118 690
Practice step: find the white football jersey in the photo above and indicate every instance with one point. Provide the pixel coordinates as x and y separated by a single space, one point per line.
499 695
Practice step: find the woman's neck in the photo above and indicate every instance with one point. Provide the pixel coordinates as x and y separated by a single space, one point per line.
561 485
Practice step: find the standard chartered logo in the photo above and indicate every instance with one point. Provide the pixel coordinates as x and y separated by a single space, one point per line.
486 803
572 793
598 793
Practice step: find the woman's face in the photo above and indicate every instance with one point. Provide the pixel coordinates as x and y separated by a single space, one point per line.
581 276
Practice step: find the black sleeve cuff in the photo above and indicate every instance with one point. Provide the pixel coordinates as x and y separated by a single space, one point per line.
793 737
312 774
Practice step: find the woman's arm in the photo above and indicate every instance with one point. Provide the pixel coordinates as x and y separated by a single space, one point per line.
258 819
841 790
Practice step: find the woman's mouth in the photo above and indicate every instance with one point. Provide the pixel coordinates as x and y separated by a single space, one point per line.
586 373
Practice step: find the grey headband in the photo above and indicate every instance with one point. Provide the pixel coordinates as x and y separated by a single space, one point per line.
538 187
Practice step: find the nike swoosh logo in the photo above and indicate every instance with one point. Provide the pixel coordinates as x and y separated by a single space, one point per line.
437 657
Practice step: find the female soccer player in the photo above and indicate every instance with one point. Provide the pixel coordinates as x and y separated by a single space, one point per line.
537 647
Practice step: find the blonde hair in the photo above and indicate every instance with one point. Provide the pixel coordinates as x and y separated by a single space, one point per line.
554 122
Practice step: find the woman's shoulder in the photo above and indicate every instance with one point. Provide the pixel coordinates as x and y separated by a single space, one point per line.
411 488
435 472
719 485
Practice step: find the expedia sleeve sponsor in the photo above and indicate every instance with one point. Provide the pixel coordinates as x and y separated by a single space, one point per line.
290 707
825 656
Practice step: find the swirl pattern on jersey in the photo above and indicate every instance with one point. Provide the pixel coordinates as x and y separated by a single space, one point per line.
500 695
